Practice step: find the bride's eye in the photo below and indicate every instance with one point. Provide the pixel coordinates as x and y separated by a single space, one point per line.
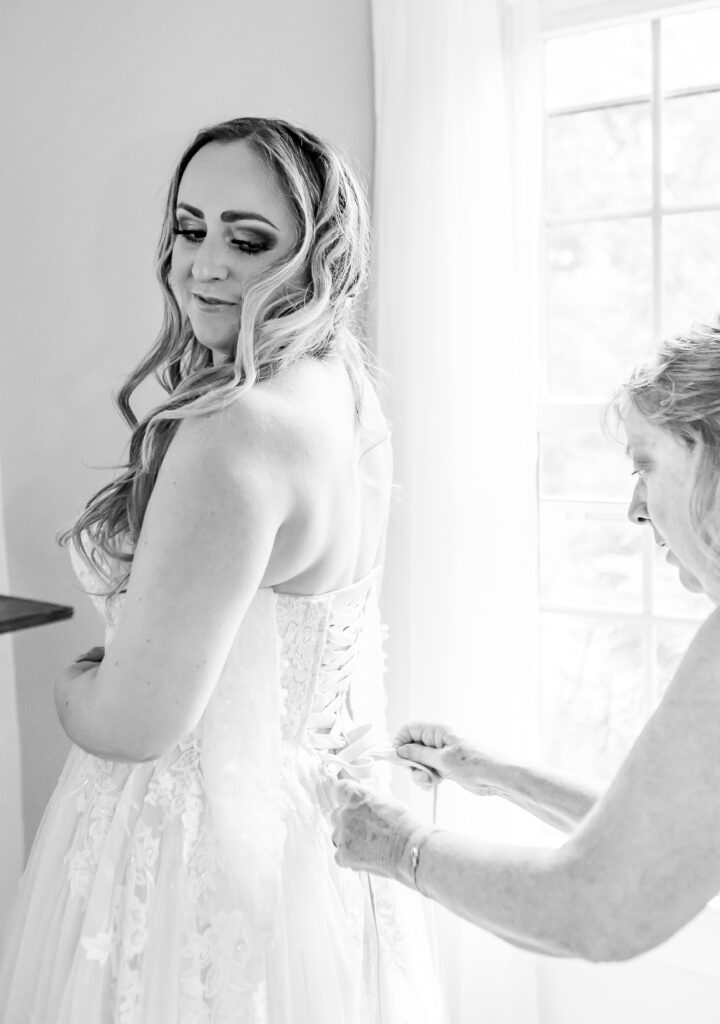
189 235
250 248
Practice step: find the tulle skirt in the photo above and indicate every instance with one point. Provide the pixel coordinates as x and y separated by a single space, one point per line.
126 913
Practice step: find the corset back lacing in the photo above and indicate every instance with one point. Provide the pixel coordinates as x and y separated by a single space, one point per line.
344 745
332 731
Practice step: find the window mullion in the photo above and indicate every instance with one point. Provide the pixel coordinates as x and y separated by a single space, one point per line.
656 116
656 110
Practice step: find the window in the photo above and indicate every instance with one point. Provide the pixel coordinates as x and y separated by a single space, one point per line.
633 254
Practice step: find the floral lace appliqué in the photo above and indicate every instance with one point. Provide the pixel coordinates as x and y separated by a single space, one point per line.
213 979
301 628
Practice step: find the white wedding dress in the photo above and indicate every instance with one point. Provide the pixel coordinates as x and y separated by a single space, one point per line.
201 888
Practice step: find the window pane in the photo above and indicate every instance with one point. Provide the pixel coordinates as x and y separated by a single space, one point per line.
593 704
582 464
599 305
690 46
691 269
599 159
691 148
669 595
589 561
671 642
578 69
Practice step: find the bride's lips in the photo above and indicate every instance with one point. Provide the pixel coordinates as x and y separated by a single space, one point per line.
208 304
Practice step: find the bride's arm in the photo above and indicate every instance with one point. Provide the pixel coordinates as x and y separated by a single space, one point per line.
225 491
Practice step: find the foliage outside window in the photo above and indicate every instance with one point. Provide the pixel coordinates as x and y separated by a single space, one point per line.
633 254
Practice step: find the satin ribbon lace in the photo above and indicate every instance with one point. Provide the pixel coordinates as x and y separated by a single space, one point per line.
344 745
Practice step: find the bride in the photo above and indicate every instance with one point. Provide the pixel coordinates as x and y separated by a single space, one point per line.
183 870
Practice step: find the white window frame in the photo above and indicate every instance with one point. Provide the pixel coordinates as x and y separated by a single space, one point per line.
560 16
695 946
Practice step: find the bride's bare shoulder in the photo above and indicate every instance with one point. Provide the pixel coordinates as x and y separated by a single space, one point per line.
312 401
308 381
299 415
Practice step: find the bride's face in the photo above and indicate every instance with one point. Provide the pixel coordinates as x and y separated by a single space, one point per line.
233 223
665 468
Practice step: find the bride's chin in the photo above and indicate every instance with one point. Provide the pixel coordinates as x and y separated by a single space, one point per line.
222 349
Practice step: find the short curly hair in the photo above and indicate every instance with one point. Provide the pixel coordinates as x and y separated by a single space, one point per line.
679 391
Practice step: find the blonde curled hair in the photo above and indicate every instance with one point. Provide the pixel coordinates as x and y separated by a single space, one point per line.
281 321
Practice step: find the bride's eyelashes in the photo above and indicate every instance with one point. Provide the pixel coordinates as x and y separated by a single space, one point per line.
250 248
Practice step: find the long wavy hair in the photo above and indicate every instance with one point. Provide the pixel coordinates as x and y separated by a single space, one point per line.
281 321
679 391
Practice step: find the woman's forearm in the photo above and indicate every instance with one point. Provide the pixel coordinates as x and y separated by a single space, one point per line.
557 798
525 896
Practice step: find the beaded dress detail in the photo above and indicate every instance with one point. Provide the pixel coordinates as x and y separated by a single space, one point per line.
201 887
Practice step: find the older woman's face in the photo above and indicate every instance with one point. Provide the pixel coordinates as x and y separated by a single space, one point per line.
233 223
665 469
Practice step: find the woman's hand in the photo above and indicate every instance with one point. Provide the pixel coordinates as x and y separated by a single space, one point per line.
374 833
451 757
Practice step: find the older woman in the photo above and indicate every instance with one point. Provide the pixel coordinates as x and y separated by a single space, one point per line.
643 858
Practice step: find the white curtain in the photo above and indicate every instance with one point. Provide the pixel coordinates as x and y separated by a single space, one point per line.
11 833
457 208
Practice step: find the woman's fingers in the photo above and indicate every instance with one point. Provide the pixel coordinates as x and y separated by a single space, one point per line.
370 830
429 734
347 795
423 742
346 791
430 756
421 779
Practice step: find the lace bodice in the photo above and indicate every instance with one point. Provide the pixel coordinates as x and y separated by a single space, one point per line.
324 688
299 697
321 691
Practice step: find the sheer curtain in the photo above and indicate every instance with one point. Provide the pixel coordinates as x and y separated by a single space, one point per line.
457 197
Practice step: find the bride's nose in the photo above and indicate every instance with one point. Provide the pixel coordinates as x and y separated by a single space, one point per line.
210 263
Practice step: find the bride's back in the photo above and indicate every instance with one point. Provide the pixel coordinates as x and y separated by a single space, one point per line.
338 533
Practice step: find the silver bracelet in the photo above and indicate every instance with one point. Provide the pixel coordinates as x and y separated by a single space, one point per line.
415 856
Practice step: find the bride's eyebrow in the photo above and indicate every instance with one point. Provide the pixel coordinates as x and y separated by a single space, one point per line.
193 210
228 216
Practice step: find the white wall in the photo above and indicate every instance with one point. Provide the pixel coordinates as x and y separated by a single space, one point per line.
99 100
12 831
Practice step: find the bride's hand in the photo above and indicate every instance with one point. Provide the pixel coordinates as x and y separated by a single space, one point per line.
452 757
81 668
95 654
